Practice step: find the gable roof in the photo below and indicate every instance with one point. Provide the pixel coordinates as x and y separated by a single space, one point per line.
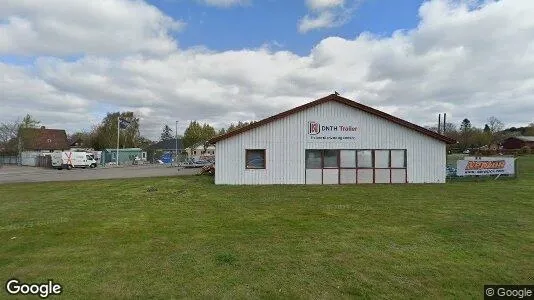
523 138
167 144
198 145
342 100
44 139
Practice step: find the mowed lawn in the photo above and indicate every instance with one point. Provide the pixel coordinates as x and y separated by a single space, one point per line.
189 238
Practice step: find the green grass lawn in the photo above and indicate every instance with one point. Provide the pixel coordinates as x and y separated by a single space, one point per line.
114 239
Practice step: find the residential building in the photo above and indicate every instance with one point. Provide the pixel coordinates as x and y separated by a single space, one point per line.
518 142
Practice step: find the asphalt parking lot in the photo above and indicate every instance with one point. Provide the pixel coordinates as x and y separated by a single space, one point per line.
12 174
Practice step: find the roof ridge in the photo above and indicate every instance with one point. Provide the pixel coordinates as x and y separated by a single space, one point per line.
342 100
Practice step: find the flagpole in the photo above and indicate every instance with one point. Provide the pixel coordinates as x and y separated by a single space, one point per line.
176 143
118 132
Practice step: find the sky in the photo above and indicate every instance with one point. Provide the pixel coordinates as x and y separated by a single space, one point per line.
69 62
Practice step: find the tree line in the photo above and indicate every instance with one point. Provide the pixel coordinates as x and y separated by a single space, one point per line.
10 131
471 137
197 133
104 134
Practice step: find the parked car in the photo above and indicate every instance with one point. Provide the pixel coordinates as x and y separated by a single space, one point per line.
194 163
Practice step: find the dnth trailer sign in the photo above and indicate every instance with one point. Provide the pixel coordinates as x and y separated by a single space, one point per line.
486 166
324 130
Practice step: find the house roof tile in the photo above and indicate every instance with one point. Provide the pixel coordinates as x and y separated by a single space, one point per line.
44 139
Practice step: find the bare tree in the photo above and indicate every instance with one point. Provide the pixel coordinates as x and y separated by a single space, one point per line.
8 131
495 125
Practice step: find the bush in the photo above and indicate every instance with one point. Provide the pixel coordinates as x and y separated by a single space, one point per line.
524 150
208 170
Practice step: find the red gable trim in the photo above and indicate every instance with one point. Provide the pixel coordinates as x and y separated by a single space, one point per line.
342 100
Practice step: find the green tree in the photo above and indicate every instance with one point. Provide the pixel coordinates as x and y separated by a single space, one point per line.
192 134
207 132
144 143
105 134
530 129
29 122
466 133
465 126
196 133
84 139
480 138
166 133
235 126
25 135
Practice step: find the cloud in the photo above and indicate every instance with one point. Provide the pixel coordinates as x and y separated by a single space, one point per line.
470 62
326 14
77 27
224 3
324 4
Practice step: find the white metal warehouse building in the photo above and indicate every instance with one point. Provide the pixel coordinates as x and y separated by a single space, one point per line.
332 140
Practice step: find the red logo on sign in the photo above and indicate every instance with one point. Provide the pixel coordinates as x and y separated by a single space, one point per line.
314 128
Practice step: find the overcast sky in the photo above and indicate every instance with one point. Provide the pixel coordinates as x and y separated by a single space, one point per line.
68 62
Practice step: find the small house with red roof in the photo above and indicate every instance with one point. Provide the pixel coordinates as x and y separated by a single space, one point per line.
37 142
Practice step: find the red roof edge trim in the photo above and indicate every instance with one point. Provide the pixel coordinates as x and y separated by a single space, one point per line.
342 100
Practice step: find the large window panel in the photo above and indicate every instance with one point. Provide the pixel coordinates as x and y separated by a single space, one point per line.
347 158
382 176
349 166
314 176
398 176
313 159
365 159
398 159
331 158
382 159
255 159
330 176
347 176
365 176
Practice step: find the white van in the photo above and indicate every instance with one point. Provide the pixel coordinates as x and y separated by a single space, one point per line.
69 160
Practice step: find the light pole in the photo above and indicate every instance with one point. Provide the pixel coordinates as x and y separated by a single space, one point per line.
176 143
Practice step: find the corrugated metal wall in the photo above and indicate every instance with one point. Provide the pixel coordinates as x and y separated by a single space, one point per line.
285 141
